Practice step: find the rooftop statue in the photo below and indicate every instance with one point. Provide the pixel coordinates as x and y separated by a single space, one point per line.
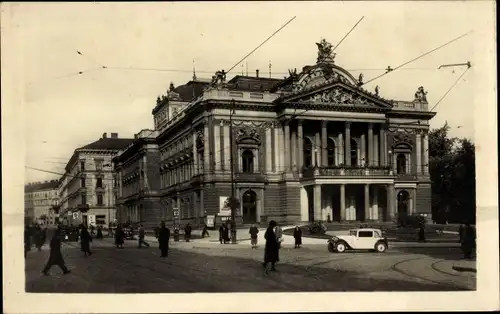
325 51
360 79
421 95
377 89
219 78
293 74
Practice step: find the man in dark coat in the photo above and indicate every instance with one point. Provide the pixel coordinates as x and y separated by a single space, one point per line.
253 231
99 233
119 237
163 239
39 237
271 251
468 241
55 257
142 234
297 235
187 232
85 239
222 233
27 239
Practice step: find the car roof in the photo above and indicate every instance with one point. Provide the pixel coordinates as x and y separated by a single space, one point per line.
366 229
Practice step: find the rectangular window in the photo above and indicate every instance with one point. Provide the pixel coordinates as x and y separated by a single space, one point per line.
365 234
100 219
82 165
99 199
84 198
98 164
82 182
99 183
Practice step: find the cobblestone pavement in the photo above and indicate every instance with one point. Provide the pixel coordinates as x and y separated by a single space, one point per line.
209 267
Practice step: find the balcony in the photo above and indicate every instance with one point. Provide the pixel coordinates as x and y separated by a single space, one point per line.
249 177
309 173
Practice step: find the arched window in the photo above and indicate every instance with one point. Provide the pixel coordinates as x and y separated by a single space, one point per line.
308 152
331 152
401 163
354 153
247 161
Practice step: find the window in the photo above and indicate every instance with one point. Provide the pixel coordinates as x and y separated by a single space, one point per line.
98 164
354 153
401 164
100 219
82 165
84 198
82 182
365 234
99 199
331 152
99 183
247 161
308 151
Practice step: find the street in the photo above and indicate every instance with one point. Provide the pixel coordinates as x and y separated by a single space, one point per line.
200 266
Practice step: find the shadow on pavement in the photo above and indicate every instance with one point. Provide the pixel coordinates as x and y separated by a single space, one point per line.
437 253
132 270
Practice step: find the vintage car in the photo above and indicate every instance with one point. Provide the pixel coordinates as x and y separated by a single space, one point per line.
359 239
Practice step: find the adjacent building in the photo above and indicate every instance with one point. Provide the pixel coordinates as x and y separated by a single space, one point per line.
138 181
87 188
313 146
41 202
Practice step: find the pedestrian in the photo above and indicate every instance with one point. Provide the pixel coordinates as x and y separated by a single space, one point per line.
204 232
421 234
271 251
99 233
163 239
221 233
141 236
27 240
253 231
297 235
469 241
38 237
85 239
55 257
119 237
187 232
110 230
226 234
92 230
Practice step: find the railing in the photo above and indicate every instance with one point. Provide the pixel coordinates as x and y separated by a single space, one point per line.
249 176
411 106
349 172
406 177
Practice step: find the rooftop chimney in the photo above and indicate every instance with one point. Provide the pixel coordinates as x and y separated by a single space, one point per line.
114 135
104 135
257 73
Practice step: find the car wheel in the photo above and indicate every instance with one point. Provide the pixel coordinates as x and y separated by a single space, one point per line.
330 248
340 247
380 247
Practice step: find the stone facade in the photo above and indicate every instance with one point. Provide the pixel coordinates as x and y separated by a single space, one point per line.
314 146
41 201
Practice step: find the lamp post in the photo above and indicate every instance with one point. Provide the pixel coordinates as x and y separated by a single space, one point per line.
233 187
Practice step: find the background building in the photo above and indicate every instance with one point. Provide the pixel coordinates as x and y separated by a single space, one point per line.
41 200
138 181
88 188
312 146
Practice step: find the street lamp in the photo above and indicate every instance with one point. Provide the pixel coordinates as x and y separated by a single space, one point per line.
233 187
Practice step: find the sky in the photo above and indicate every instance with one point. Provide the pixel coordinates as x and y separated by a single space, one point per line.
63 110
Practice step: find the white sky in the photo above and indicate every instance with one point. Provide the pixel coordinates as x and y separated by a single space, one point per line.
63 113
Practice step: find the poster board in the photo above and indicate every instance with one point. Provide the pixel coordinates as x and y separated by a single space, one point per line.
224 211
91 219
210 221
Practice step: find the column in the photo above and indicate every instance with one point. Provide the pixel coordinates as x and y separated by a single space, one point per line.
286 144
418 153
195 153
304 205
300 139
410 202
227 147
347 151
374 215
282 148
317 150
324 143
375 150
426 153
367 202
317 202
383 149
391 212
363 150
294 150
217 153
277 165
260 204
202 205
370 144
269 156
342 202
340 149
206 148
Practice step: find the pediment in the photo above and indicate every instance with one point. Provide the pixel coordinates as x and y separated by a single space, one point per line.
339 94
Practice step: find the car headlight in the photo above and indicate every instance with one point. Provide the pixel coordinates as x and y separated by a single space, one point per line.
334 239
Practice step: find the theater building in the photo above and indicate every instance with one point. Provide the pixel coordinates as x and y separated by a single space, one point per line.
311 146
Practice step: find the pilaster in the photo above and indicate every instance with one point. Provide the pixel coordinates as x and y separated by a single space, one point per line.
370 144
342 203
227 146
300 140
269 156
347 151
317 202
286 143
324 143
367 202
217 148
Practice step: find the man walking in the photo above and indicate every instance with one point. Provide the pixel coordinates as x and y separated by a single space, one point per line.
254 231
55 257
163 239
141 237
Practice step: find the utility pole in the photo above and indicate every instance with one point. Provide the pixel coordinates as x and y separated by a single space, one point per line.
233 187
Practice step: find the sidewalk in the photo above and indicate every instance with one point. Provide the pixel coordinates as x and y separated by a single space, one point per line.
465 266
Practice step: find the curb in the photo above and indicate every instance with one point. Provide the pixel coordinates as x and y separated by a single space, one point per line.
464 269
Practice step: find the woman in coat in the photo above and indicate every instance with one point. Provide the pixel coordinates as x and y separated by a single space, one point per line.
271 251
85 240
297 235
119 237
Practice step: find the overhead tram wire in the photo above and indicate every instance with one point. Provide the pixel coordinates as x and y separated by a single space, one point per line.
400 66
59 173
348 33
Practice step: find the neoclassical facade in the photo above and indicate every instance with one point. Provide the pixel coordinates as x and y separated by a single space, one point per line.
313 146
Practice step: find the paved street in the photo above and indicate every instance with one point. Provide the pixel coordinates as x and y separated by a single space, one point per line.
204 266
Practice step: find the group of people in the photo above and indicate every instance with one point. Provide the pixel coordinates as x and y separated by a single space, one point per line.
34 234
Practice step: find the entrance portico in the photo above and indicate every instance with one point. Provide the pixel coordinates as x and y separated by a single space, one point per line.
348 200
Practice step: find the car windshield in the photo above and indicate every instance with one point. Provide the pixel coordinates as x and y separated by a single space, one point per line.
376 234
352 232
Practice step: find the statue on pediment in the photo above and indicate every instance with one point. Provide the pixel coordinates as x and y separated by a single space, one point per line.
377 89
219 78
171 94
421 95
360 79
325 52
293 74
